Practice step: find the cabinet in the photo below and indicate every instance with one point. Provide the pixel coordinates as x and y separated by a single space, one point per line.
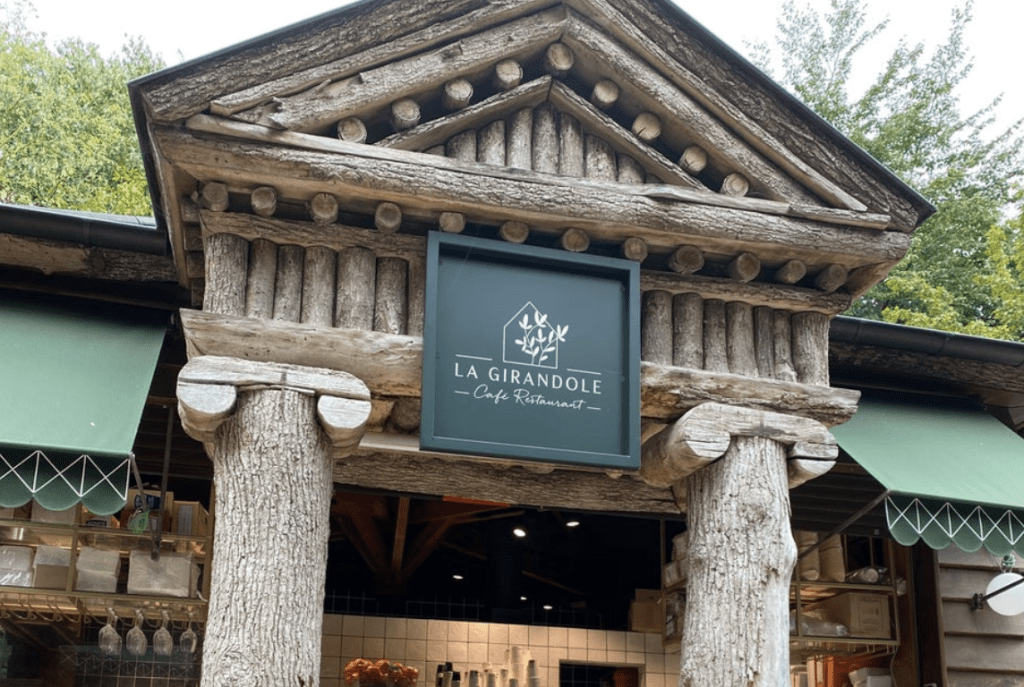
63 602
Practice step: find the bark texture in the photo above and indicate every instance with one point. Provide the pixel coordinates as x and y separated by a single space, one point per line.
272 471
741 557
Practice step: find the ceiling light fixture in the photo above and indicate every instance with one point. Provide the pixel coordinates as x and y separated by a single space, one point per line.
519 532
457 577
548 607
573 523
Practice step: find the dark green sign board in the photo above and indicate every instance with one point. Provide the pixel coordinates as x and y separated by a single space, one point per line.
531 353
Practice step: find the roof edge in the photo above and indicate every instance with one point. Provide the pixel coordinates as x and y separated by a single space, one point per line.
120 232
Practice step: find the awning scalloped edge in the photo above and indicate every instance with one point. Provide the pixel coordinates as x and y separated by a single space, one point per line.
58 480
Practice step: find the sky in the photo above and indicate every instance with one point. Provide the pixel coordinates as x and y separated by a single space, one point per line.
182 32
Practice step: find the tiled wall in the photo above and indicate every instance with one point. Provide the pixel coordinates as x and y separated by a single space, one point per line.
422 644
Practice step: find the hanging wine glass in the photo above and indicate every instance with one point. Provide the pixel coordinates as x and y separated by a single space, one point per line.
110 640
163 643
188 639
137 643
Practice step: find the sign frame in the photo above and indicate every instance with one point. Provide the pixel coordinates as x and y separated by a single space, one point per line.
515 259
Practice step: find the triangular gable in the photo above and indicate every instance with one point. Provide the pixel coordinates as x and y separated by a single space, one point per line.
369 93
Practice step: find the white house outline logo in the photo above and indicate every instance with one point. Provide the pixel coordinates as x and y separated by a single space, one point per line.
529 339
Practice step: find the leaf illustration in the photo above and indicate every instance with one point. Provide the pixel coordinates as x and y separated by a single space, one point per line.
525 324
543 358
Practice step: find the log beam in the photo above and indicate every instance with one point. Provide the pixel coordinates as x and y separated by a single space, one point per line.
610 210
391 366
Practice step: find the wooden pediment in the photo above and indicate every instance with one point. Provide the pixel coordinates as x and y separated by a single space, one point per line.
596 110
624 120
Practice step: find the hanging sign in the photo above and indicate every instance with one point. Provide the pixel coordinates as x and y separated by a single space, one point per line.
531 353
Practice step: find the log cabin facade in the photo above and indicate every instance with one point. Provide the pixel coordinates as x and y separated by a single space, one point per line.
297 177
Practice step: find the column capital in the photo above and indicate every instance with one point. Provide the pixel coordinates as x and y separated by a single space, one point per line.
703 434
208 389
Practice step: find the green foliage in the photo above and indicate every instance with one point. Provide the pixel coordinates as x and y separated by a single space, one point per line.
67 138
909 118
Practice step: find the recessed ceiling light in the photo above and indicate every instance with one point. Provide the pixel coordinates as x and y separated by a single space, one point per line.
548 607
573 523
522 598
519 532
457 577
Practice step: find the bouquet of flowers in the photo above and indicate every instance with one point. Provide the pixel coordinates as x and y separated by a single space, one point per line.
361 672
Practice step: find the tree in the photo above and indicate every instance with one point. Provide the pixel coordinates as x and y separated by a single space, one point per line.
67 138
962 266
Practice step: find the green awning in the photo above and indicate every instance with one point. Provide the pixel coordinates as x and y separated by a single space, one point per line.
955 473
73 382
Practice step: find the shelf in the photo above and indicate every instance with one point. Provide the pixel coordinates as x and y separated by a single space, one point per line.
31 604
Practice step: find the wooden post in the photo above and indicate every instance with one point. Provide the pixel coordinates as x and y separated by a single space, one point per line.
784 369
810 347
490 148
318 276
630 171
356 292
273 451
227 262
715 359
688 330
739 320
520 136
288 285
259 297
545 139
741 557
390 311
599 159
764 341
570 146
656 327
463 146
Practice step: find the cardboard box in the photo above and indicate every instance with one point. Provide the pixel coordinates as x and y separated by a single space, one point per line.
190 519
675 573
646 616
863 613
16 558
173 574
99 560
54 517
50 567
95 581
15 578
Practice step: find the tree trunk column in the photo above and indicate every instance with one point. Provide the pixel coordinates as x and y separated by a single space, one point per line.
741 557
272 432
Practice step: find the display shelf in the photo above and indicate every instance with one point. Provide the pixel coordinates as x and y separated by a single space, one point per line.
31 604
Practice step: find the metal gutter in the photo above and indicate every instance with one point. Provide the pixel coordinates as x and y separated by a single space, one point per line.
900 337
120 232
